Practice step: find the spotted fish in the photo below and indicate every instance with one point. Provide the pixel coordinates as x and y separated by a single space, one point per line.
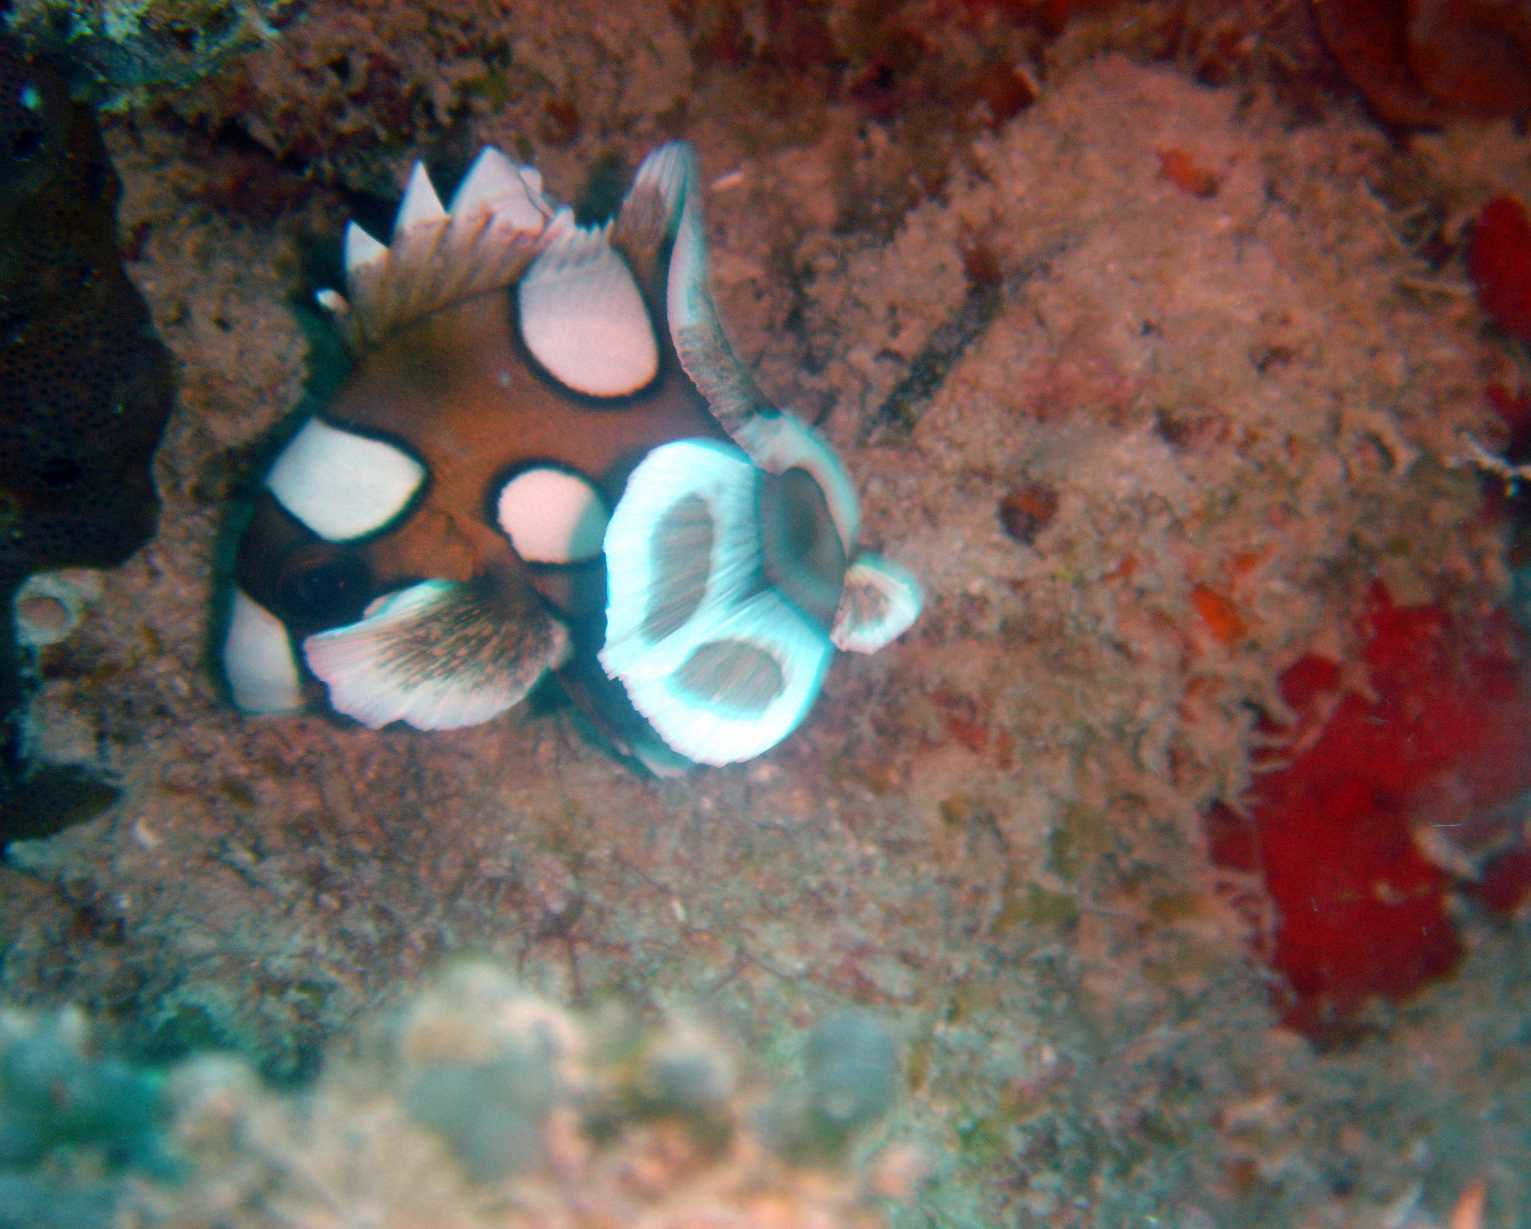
547 458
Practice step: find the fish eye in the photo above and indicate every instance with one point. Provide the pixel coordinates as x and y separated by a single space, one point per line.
324 587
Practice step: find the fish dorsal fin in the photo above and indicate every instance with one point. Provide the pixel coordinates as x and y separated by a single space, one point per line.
582 314
496 226
438 655
703 347
776 440
650 215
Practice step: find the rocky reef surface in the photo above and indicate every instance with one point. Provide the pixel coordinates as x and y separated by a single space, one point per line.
1154 364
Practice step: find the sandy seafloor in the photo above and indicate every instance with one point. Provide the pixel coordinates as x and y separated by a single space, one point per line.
990 832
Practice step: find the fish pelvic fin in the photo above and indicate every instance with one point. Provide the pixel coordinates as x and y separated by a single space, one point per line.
438 655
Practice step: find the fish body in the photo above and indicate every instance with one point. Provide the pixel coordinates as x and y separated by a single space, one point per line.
547 458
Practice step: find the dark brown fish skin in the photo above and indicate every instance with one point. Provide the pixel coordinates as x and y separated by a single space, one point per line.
458 390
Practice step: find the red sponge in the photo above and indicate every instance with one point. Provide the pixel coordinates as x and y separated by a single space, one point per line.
1441 734
1500 264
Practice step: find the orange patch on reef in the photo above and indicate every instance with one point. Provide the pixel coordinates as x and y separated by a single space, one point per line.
1241 565
1187 174
1219 615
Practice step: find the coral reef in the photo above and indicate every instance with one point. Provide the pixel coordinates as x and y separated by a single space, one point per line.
50 605
350 81
73 1122
1152 382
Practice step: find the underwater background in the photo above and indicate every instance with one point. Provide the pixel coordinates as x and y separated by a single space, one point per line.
1173 869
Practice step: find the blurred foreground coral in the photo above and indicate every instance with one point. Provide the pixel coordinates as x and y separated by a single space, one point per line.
476 1105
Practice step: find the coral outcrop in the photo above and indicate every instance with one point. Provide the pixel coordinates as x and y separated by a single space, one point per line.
120 51
1153 382
85 385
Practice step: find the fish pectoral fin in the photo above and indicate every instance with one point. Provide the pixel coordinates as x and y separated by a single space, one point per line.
880 601
438 655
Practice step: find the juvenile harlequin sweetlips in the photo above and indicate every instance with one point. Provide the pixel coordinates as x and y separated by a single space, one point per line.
548 458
